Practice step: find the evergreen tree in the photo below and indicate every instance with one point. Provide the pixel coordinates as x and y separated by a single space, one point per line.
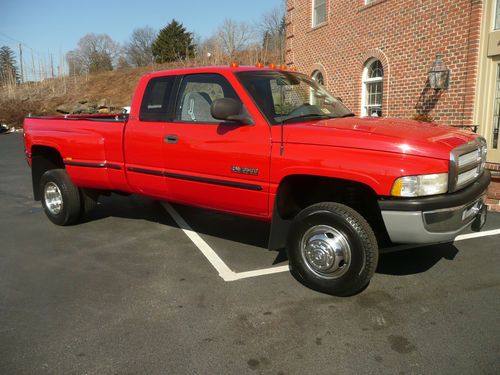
173 43
8 69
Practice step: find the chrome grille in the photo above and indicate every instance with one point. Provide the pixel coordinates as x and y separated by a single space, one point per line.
467 163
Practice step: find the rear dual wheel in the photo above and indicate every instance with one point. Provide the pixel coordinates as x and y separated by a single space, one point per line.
332 249
62 201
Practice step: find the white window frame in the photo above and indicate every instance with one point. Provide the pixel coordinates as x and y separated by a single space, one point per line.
496 117
315 5
364 91
494 21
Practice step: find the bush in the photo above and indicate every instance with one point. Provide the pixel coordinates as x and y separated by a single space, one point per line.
13 111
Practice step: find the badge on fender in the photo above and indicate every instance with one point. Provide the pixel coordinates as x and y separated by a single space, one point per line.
244 170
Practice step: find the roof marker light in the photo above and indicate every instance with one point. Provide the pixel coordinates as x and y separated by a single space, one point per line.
259 65
233 65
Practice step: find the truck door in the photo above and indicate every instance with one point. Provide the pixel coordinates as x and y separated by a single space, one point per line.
143 143
214 164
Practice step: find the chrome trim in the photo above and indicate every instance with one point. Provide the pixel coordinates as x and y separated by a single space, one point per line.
440 225
449 219
53 198
325 251
477 145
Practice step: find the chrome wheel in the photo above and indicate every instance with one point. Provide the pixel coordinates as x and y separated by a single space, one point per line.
53 198
325 251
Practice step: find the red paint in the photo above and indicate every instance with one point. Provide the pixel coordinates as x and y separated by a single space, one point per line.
371 151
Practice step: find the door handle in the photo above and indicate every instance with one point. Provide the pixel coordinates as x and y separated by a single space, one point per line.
171 138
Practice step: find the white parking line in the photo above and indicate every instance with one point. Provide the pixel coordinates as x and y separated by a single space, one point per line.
224 271
228 275
477 234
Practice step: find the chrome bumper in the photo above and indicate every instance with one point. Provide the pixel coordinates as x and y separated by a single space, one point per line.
441 225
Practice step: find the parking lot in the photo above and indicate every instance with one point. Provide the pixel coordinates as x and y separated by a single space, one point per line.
147 288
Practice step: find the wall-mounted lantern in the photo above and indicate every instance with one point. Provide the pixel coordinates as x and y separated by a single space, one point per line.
439 74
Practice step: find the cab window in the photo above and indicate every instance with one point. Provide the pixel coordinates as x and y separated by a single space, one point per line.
196 95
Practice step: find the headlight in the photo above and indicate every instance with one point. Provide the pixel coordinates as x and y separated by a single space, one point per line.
417 186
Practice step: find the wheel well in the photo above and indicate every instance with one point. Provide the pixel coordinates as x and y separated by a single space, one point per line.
43 159
300 191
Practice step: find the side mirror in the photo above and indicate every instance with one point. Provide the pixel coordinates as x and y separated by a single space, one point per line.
229 109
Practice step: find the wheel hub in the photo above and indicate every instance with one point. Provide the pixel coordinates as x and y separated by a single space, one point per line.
53 198
326 251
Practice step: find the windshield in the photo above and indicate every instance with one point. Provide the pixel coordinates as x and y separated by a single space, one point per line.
285 97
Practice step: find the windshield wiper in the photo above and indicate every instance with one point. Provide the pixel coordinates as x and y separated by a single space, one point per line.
310 115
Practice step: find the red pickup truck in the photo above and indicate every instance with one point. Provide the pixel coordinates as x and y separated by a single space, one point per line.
273 145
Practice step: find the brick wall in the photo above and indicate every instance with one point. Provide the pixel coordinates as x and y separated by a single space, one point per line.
405 35
493 200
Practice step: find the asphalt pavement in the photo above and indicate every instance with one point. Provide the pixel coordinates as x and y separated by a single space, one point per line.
127 292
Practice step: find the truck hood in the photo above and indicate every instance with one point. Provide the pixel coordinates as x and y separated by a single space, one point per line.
380 134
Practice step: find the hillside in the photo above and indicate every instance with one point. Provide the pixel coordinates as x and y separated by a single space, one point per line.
42 98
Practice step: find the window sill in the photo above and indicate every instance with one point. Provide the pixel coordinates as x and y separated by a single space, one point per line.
319 26
372 4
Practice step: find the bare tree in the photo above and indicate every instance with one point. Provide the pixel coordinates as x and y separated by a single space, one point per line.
75 63
272 32
210 51
122 62
139 48
95 53
234 36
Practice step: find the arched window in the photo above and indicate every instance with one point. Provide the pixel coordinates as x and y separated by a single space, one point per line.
318 77
373 77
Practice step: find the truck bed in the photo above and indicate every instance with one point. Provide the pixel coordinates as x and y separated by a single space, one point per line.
91 146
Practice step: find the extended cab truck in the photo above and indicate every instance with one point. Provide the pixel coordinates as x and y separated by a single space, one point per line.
271 145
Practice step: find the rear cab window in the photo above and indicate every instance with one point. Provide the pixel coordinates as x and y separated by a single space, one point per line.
157 98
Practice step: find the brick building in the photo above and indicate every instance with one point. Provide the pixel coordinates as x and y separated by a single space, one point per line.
376 55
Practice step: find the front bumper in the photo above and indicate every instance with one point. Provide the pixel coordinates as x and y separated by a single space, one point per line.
438 218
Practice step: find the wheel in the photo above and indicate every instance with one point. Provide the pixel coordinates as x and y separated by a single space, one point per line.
88 200
332 249
60 197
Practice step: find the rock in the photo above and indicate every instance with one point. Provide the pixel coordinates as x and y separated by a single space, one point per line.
103 103
83 101
87 108
3 128
81 109
64 109
103 110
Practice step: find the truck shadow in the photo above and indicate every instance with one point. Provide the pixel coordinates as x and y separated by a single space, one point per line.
415 260
256 233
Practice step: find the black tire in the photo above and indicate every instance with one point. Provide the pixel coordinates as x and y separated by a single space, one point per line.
69 213
88 200
339 223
